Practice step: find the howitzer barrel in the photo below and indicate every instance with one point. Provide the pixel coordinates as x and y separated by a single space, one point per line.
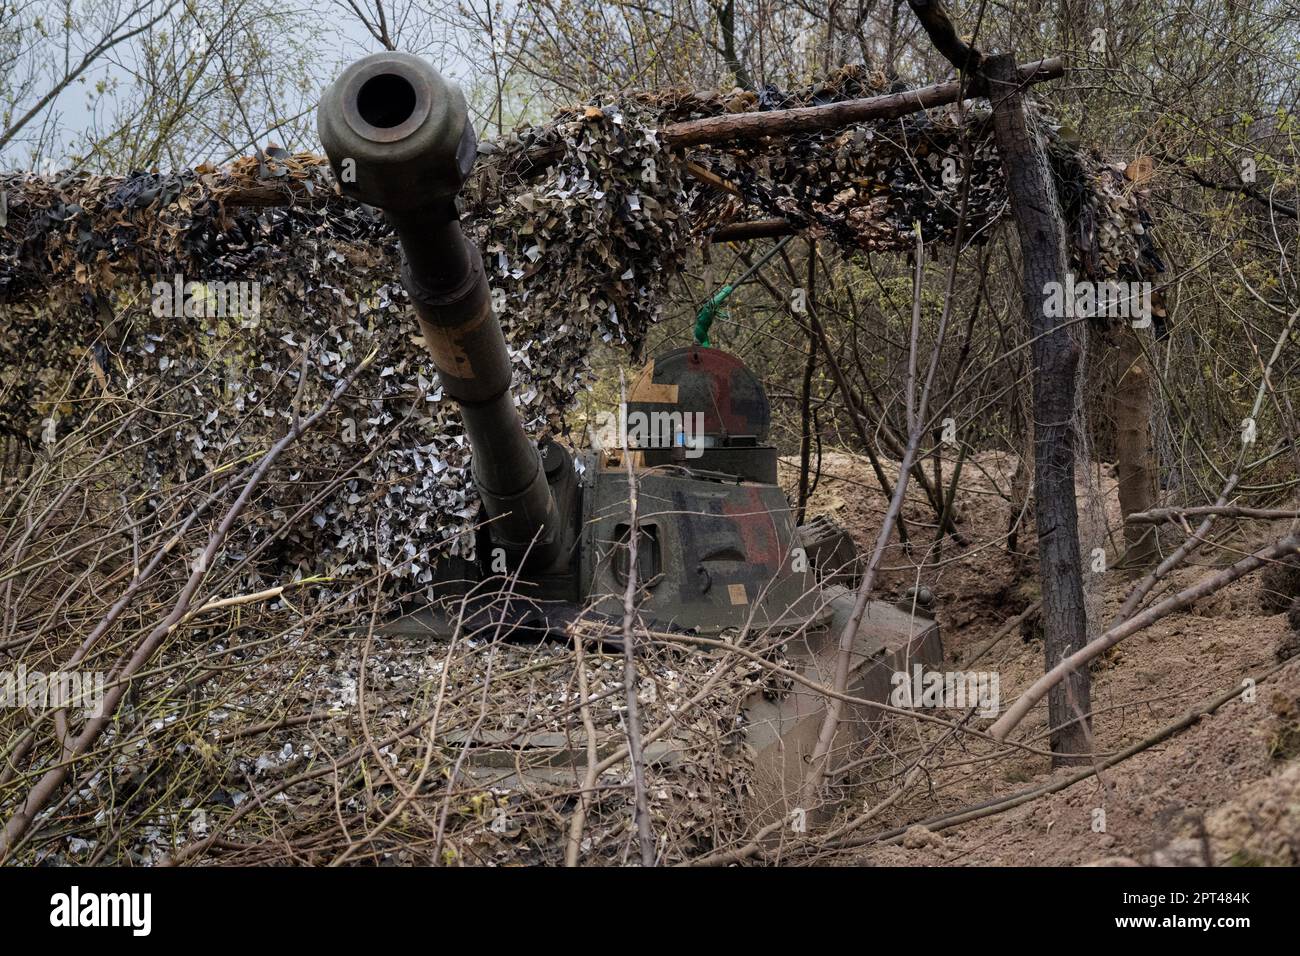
398 137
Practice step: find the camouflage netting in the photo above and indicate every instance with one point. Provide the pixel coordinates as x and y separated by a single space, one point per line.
582 223
82 254
866 186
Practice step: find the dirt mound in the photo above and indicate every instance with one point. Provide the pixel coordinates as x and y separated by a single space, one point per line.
1261 826
1224 790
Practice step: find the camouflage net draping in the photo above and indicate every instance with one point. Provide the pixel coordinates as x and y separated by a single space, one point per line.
581 221
866 186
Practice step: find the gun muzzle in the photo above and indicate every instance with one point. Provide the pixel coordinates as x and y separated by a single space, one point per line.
398 137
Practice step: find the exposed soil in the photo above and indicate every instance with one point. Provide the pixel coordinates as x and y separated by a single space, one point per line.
1224 791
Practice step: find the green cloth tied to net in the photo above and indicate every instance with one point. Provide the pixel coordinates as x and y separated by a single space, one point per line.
713 308
708 312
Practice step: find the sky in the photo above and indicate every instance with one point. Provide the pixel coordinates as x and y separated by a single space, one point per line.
343 39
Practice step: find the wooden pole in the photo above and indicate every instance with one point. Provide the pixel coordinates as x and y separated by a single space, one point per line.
809 119
754 229
1036 211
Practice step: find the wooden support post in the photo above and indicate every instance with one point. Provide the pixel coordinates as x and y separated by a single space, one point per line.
1037 214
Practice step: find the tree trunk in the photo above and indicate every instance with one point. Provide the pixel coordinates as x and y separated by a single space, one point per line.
1056 358
1135 449
726 14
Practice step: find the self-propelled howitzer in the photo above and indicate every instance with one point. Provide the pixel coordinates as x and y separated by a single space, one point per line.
716 550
